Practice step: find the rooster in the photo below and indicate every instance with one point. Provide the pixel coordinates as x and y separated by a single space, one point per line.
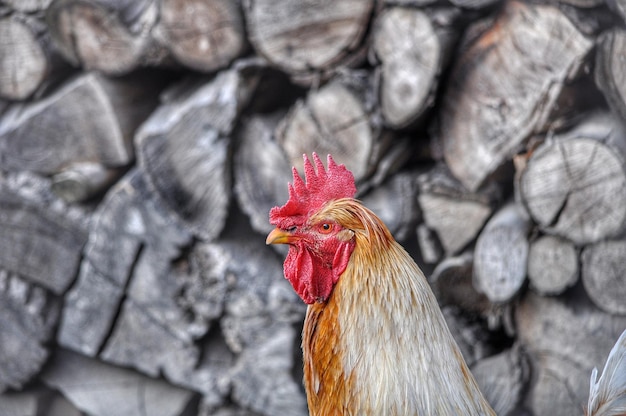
374 340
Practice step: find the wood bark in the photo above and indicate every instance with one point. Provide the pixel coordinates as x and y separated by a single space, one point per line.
552 265
575 184
493 104
329 34
501 254
604 274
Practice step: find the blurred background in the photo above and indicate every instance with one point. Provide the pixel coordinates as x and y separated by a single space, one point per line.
143 142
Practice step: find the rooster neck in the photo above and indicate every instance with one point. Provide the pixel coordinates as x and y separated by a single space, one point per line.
380 344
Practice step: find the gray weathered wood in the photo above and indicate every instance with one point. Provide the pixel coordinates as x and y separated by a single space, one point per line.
412 49
202 35
184 146
101 389
306 38
502 379
503 86
609 69
88 119
330 120
575 184
28 316
38 243
501 254
454 213
552 265
261 170
580 338
82 181
603 273
112 36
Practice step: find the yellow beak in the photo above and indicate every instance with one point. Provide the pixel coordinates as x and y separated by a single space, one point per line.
278 236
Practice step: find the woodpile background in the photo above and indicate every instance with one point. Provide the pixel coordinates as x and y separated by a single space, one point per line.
143 142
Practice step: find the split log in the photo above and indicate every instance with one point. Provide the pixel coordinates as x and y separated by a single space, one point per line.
552 265
121 228
581 337
609 69
412 47
39 244
202 35
89 119
575 184
308 39
330 120
502 379
604 275
501 254
111 36
494 103
394 201
452 283
469 334
104 390
183 149
475 5
28 316
261 170
454 213
24 61
275 395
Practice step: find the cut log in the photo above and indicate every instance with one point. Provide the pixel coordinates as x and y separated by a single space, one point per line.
454 213
501 254
104 390
412 50
604 275
580 338
502 379
395 202
183 149
504 85
89 119
575 184
609 69
28 316
331 120
275 395
39 244
261 170
28 6
552 265
23 59
120 230
202 35
308 38
470 335
111 36
452 283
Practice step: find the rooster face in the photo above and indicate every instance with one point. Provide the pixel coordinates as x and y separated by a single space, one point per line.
319 250
319 245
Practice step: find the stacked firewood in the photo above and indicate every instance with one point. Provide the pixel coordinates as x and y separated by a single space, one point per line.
142 144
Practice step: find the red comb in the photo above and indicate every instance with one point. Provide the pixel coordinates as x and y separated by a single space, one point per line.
321 186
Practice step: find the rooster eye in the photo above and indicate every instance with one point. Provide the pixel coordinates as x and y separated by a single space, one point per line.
326 228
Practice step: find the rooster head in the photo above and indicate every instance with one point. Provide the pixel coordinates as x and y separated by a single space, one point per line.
319 245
